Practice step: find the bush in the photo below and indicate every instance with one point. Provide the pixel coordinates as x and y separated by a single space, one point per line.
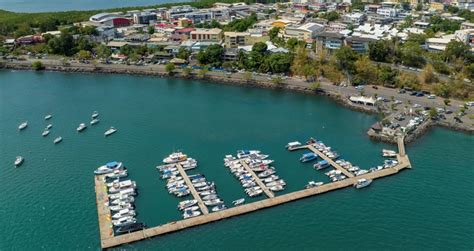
37 66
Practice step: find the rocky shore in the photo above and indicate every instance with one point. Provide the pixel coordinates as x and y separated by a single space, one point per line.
239 80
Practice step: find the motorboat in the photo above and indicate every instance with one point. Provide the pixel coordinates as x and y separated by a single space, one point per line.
271 178
362 183
219 208
81 127
57 140
321 165
49 126
130 228
116 208
312 184
360 172
117 174
293 145
207 192
189 164
210 197
23 125
48 117
238 202
45 133
186 203
213 202
124 221
389 153
124 199
124 213
246 153
95 114
276 188
276 183
175 157
122 193
266 173
19 161
189 214
94 121
307 157
109 167
111 131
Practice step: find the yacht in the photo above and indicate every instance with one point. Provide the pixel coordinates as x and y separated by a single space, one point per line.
362 183
58 140
186 203
130 228
213 202
124 221
117 174
116 208
123 213
389 153
109 167
45 133
95 114
293 145
312 184
219 208
49 126
277 188
94 121
266 173
321 165
207 192
189 214
47 117
246 153
19 161
238 202
210 197
23 125
175 157
307 157
110 131
81 127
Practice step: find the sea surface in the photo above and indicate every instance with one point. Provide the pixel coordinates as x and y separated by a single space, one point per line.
67 5
49 202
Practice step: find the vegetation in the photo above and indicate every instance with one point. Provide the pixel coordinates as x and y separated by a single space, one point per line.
37 66
169 68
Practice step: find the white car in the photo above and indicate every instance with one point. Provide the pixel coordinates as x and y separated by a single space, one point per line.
416 106
431 96
397 102
470 103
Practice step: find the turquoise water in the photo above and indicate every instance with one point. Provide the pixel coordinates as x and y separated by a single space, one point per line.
49 202
66 5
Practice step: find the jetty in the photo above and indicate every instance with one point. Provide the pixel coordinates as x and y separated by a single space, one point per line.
192 189
257 179
108 239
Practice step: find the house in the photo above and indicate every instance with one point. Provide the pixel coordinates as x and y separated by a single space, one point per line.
182 34
235 39
201 16
359 44
436 6
176 12
387 12
207 35
354 18
306 32
329 40
438 44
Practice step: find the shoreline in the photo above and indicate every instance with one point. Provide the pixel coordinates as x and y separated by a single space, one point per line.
219 78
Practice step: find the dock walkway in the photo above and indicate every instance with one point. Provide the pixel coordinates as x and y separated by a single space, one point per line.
103 211
330 161
108 240
258 180
195 194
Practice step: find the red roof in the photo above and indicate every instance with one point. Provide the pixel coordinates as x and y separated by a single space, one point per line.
185 30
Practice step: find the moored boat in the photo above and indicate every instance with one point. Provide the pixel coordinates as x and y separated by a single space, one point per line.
57 140
94 121
175 157
362 183
130 228
219 208
111 131
293 145
238 202
47 117
95 114
45 133
81 127
23 125
307 157
321 165
19 161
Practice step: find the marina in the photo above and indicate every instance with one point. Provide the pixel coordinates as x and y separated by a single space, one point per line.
110 240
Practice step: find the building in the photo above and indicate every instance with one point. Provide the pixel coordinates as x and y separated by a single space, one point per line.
387 12
354 18
199 16
207 35
359 44
306 32
235 39
467 25
329 40
436 6
177 12
144 18
466 36
438 44
182 34
108 19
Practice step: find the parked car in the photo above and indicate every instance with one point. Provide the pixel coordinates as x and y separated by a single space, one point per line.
431 96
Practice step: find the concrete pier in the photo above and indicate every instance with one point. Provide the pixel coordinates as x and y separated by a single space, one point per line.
103 211
109 240
258 180
195 194
330 161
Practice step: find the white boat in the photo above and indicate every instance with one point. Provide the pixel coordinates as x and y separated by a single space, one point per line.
122 200
362 183
49 126
175 157
210 197
94 121
124 213
47 117
57 140
389 153
213 202
116 208
293 145
124 221
81 127
117 174
190 214
19 161
45 133
312 184
23 125
95 114
277 188
219 208
110 131
186 203
238 202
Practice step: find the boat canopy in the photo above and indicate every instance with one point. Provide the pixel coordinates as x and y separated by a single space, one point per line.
112 164
323 162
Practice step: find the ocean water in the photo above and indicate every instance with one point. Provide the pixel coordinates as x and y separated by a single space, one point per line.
49 202
67 5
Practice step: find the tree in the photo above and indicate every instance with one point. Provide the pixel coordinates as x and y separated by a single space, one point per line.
366 72
446 102
433 113
387 75
187 71
84 44
183 53
456 49
330 16
257 57
169 68
151 29
428 76
277 81
412 55
84 55
63 45
212 55
314 86
202 72
273 33
103 51
380 51
37 66
345 58
248 76
293 43
279 62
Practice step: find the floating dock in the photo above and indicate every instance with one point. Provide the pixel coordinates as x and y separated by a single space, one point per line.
258 180
192 189
109 240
